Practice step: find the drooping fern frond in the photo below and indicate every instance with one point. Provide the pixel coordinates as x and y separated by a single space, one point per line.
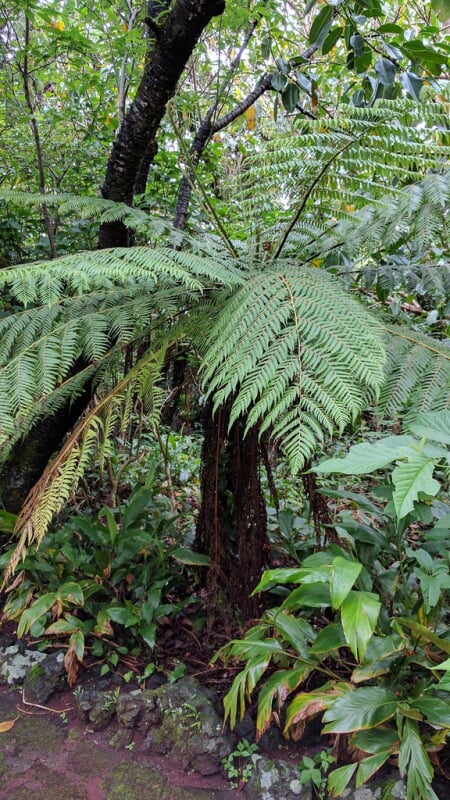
417 374
86 207
63 473
295 352
50 281
90 306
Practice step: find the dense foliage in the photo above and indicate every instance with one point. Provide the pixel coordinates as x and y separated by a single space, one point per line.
268 263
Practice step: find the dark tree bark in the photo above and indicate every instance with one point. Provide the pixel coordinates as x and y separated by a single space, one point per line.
232 521
175 38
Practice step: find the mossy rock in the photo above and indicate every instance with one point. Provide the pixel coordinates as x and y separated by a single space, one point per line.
133 783
48 785
88 760
30 735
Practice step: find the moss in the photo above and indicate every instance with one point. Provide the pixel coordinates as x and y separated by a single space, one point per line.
54 784
133 783
3 767
88 760
73 735
46 737
35 674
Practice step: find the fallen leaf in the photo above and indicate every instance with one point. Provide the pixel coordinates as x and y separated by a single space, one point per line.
6 726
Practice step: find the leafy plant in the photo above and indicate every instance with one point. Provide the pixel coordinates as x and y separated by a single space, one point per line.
315 770
238 764
96 572
376 663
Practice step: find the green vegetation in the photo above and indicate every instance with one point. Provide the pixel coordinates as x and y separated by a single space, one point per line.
255 302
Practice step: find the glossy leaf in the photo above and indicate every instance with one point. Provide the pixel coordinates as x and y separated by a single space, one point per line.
368 766
35 612
359 615
368 457
361 709
340 778
344 573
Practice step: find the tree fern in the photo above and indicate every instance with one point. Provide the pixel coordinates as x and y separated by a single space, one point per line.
417 374
296 351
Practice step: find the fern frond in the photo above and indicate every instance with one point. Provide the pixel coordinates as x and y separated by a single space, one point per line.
84 272
62 475
417 374
84 207
295 352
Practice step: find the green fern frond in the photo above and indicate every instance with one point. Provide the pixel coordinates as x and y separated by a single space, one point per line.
62 475
417 374
295 352
84 207
51 281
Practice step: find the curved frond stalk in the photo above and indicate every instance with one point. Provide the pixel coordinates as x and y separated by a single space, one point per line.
296 353
62 475
417 374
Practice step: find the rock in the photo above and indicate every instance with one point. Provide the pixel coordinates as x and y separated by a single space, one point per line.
379 788
181 722
43 678
15 663
273 780
96 708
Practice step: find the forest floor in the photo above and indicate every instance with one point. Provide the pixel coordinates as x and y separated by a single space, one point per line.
49 753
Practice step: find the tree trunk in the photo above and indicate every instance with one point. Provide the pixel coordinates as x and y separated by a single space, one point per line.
175 39
232 522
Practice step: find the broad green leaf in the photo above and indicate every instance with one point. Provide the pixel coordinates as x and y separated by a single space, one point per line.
435 426
278 687
385 70
35 612
361 709
368 766
123 616
70 592
368 457
425 633
290 97
329 639
272 577
359 615
306 705
321 25
375 740
295 629
331 39
76 641
186 556
148 632
339 778
436 711
314 595
137 504
412 84
410 478
344 573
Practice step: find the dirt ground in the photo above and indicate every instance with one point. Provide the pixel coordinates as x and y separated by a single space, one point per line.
49 754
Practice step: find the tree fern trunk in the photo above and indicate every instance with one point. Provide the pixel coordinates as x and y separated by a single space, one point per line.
232 523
